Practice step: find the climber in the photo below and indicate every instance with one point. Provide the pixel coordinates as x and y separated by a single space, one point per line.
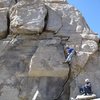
86 89
68 52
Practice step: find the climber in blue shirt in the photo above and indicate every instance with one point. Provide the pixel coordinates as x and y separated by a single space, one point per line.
69 52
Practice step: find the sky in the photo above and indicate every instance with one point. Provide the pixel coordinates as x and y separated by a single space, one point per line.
90 10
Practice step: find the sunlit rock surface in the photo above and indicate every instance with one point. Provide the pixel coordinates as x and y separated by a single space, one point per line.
32 51
27 18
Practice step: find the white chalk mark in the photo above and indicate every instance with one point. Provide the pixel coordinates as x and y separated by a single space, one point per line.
35 95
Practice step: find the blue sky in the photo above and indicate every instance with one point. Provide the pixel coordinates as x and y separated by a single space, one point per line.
90 9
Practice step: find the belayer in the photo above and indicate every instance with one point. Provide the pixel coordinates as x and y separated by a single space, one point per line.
87 88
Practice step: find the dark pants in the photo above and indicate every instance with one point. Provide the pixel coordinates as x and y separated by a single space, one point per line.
69 57
85 90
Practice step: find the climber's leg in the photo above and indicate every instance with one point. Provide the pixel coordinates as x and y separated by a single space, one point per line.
69 58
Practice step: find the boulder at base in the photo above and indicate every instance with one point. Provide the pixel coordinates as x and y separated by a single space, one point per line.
85 97
53 1
72 20
97 99
54 22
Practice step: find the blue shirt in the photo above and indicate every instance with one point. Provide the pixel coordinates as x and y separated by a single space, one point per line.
69 50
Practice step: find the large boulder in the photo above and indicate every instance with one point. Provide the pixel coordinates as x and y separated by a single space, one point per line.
89 46
9 93
27 18
50 1
3 22
91 36
54 21
47 62
31 1
72 20
31 67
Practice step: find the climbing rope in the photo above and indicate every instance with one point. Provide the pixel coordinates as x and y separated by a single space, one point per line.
65 83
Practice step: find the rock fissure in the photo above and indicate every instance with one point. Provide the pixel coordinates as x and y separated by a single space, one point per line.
8 24
67 81
46 21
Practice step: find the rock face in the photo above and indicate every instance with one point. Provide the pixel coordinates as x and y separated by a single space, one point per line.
48 60
6 3
27 18
54 21
71 18
4 25
54 1
31 65
91 71
3 22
